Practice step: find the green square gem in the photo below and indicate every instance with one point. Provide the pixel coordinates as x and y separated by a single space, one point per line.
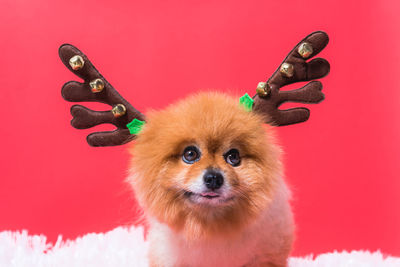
247 102
135 126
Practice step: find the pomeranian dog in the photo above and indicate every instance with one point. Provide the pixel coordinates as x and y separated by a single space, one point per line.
206 170
208 176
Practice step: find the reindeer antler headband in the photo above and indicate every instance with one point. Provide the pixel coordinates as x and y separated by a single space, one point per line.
128 120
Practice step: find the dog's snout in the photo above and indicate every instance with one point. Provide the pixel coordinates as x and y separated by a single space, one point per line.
213 179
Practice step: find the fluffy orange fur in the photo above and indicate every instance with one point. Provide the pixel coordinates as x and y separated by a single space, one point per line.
215 123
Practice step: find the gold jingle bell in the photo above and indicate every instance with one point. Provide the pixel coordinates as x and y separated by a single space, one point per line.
263 89
287 69
118 110
97 85
305 50
76 62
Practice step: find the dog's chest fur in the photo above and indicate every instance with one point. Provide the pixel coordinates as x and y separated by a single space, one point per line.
268 239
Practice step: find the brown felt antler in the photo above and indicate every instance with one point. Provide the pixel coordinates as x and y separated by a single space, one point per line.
294 69
96 89
269 97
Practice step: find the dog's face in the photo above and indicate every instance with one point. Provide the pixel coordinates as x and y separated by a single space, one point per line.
204 166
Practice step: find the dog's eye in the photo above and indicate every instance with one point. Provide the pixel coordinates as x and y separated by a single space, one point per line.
232 157
191 154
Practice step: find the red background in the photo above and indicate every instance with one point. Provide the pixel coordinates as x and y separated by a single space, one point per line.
343 164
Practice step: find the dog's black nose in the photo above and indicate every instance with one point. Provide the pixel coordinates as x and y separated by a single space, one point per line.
213 179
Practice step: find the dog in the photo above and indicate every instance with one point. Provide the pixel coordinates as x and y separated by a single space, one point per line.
206 170
208 175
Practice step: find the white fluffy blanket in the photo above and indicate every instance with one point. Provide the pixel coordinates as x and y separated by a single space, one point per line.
126 247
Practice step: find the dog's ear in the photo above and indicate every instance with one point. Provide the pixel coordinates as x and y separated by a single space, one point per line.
294 68
95 88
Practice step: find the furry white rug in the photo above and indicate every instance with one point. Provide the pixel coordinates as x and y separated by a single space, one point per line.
126 247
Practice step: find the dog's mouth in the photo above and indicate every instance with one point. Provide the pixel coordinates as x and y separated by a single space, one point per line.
209 195
206 197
